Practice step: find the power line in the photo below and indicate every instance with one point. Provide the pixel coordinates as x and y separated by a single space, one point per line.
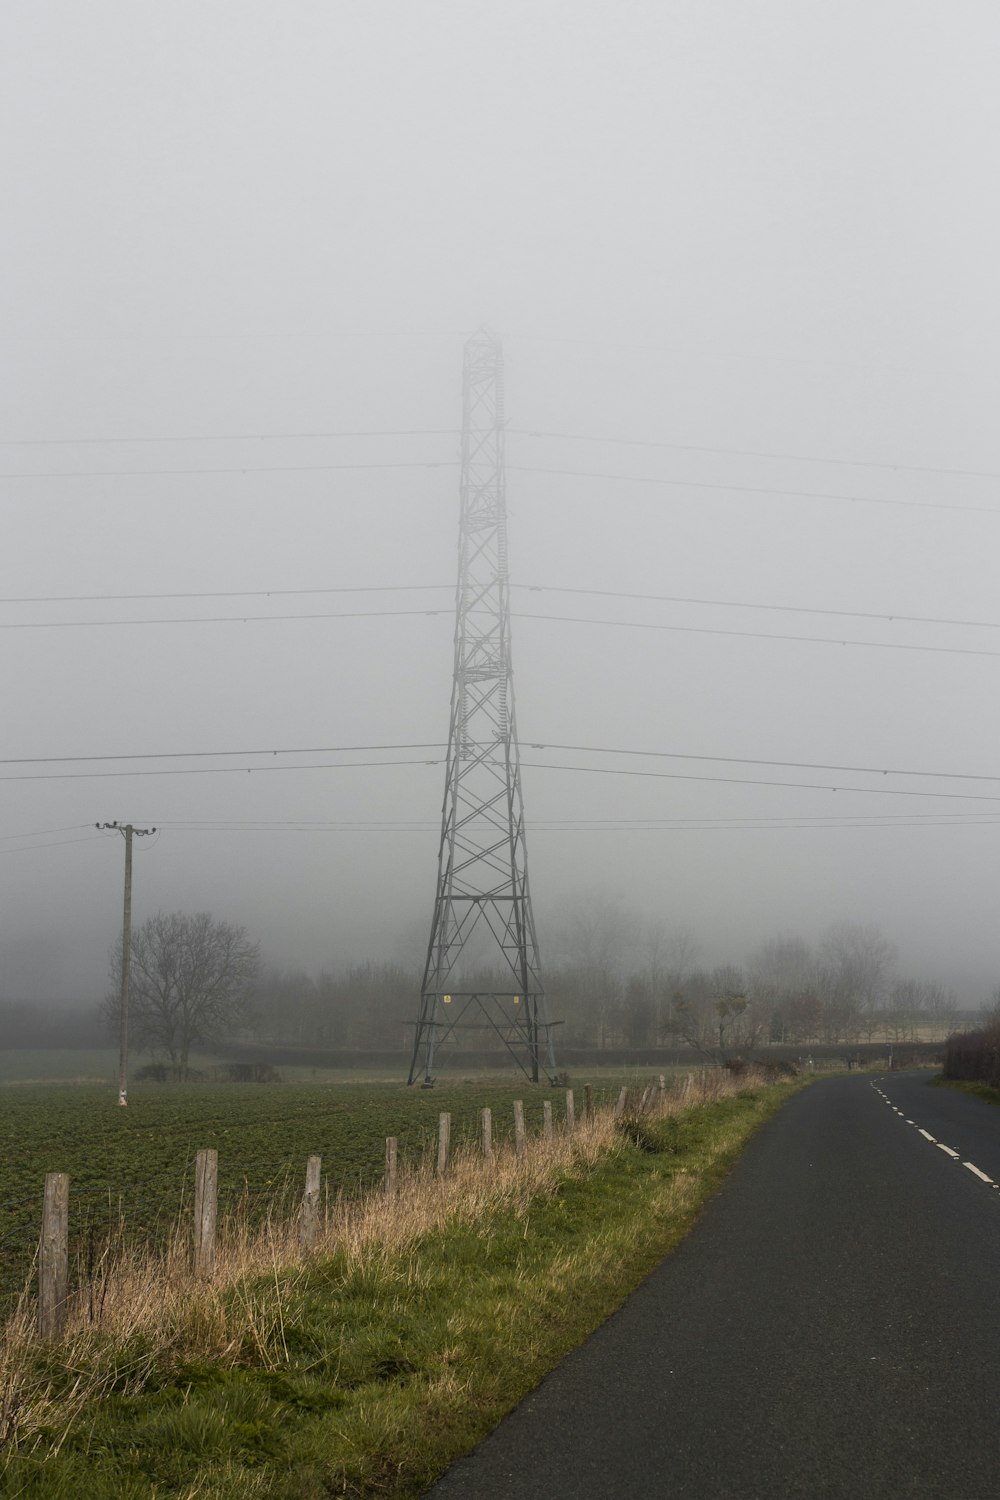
269 753
758 489
216 770
354 614
385 588
805 786
746 760
758 635
891 616
691 484
890 466
793 609
39 760
367 614
37 833
240 469
58 844
804 458
608 825
715 826
422 825
536 765
732 824
228 437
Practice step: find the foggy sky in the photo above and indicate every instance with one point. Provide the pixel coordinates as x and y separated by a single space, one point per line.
729 226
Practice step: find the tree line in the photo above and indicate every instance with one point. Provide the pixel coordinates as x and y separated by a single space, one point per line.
196 982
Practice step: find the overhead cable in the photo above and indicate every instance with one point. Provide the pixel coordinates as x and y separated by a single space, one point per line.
536 765
890 616
232 469
213 770
758 635
805 786
48 760
803 458
272 752
382 588
757 489
366 614
228 437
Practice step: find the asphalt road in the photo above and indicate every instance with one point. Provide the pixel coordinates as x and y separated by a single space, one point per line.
829 1328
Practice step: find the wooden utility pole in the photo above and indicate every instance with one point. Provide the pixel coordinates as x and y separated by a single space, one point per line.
126 831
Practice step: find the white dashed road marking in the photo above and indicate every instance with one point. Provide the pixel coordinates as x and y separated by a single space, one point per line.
981 1175
940 1144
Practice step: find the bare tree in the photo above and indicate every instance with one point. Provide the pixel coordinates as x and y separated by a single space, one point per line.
596 939
781 972
715 1016
190 979
856 962
781 968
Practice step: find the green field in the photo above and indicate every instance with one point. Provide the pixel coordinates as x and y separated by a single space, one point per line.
366 1370
135 1165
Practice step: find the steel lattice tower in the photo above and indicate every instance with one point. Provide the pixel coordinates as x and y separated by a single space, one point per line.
482 888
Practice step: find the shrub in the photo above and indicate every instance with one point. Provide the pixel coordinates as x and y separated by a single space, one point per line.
648 1135
774 1068
974 1056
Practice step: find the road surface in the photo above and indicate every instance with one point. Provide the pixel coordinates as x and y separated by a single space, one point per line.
829 1328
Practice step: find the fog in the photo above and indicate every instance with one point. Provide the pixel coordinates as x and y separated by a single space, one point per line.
742 257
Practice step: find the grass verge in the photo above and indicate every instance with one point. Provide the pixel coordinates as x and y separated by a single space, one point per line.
393 1349
978 1090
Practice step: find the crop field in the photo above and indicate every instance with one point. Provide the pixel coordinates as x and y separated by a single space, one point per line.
134 1167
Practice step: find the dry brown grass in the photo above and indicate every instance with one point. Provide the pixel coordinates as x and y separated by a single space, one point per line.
135 1310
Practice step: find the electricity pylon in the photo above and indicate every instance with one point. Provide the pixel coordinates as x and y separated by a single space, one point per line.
483 922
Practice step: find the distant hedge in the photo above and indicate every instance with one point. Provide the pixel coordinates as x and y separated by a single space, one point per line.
974 1055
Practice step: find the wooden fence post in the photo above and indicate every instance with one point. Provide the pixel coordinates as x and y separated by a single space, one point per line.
444 1143
570 1112
547 1119
519 1136
486 1132
53 1258
663 1082
622 1101
391 1159
309 1217
206 1211
588 1102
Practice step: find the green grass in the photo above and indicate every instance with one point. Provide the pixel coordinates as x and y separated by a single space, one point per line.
978 1090
135 1165
372 1376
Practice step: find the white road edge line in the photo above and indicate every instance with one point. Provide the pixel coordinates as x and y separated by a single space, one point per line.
981 1175
928 1137
946 1148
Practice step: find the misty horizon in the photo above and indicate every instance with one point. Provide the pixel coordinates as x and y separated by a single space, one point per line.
740 276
